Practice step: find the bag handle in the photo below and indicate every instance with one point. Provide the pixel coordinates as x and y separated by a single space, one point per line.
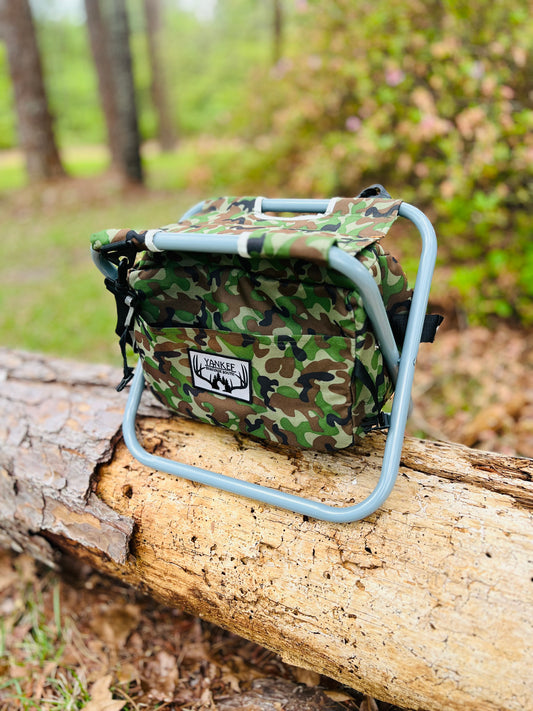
376 190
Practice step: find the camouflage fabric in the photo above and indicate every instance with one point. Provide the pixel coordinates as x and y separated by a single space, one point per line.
348 223
275 345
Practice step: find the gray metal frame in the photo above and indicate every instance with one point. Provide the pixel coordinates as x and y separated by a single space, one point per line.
401 369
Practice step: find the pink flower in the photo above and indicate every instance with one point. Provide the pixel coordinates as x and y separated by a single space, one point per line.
353 123
395 76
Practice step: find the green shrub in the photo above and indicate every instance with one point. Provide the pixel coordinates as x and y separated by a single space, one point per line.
431 99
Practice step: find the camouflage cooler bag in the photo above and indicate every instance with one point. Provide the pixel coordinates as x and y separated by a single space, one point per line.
271 341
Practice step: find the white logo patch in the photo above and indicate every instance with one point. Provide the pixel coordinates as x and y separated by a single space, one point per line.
223 375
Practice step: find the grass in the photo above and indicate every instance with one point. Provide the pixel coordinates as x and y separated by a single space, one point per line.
33 638
52 298
12 174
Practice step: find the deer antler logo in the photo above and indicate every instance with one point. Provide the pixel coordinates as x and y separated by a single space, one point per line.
220 374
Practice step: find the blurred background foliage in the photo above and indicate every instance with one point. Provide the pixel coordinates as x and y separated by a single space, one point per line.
433 99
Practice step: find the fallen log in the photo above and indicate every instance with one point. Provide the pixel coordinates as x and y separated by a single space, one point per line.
427 604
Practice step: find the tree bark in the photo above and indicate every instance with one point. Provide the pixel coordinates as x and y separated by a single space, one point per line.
277 31
427 604
99 41
34 122
165 130
109 36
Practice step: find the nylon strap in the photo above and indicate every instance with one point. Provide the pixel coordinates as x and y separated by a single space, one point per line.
398 324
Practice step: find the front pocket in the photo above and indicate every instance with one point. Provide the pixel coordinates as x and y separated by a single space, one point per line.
292 390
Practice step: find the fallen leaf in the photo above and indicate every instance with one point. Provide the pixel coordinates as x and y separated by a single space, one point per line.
231 679
17 671
116 622
47 672
339 696
127 673
161 674
7 575
102 698
25 565
306 676
368 704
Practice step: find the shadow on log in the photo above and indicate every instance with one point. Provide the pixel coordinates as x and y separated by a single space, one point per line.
426 604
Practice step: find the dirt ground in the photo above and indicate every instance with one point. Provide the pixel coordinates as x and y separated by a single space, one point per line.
71 639
475 386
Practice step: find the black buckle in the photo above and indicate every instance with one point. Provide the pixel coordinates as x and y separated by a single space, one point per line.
380 422
128 375
115 251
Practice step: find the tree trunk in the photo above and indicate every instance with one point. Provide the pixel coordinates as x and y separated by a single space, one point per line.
277 31
166 131
109 37
427 604
99 41
122 71
34 123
